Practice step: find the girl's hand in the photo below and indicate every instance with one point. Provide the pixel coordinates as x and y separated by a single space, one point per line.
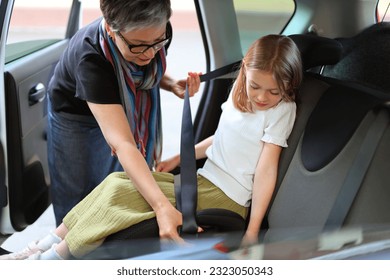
169 164
249 239
193 82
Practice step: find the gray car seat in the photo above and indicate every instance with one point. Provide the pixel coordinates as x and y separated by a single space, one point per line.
365 58
334 118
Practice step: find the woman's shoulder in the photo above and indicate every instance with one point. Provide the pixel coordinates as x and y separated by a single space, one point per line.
86 40
85 51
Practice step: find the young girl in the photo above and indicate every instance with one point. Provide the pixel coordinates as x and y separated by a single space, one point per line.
240 171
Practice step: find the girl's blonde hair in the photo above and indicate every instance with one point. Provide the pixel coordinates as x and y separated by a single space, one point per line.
276 54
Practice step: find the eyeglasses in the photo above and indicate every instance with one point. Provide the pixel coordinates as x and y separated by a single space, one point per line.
138 49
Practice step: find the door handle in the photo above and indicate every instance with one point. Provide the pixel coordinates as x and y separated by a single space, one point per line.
37 94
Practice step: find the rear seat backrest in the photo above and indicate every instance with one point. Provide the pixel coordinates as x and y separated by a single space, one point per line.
309 46
333 119
365 58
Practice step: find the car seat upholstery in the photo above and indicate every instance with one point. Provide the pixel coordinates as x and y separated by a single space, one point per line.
365 58
334 117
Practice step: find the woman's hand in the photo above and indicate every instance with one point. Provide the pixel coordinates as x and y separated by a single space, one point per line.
169 220
193 82
169 164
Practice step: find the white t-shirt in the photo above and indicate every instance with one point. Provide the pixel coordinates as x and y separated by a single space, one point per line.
237 145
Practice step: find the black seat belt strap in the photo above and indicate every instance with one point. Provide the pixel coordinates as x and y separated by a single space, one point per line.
356 174
188 176
186 194
230 68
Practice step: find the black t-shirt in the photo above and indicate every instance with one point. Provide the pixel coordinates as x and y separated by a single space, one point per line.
83 74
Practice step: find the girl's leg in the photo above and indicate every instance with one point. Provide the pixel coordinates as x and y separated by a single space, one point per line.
61 231
63 250
39 246
59 251
56 252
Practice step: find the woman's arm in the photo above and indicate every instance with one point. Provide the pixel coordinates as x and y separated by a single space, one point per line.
116 130
263 188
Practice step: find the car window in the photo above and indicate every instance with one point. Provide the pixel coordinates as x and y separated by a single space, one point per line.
258 18
383 10
35 25
90 11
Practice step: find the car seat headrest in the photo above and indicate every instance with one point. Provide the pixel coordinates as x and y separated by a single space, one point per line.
316 50
365 58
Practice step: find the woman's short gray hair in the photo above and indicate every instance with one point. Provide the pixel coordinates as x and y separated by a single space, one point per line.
127 15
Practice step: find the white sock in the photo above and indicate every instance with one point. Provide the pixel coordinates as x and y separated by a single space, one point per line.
45 243
50 254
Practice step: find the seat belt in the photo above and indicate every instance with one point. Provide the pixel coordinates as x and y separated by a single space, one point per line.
188 176
186 194
227 69
358 170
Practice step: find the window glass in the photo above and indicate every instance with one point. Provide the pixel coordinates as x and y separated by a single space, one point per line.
35 25
90 12
383 12
258 18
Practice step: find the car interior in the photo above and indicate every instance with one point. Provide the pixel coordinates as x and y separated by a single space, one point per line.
334 173
330 138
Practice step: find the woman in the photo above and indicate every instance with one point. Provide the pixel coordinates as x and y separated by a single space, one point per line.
241 167
117 60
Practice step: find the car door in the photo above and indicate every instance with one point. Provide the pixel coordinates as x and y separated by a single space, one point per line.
33 37
3 200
